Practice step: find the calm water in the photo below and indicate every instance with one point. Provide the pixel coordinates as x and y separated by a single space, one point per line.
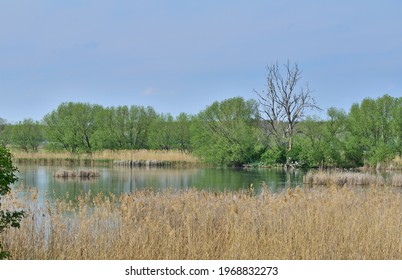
119 180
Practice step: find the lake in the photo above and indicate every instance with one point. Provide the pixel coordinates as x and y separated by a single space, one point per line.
119 180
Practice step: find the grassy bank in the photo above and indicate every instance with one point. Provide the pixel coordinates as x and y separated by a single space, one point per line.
309 223
106 157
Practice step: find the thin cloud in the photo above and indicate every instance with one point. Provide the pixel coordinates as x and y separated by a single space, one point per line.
149 91
152 91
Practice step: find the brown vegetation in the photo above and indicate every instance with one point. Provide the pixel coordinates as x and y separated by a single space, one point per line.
308 223
395 164
107 156
76 174
350 179
396 180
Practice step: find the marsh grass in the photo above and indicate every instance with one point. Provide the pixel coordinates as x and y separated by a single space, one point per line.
396 163
308 223
396 180
326 178
106 156
64 173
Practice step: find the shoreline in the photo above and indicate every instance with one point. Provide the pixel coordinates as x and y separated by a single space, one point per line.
108 157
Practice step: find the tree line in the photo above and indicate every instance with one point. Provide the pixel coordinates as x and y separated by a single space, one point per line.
231 132
85 128
273 129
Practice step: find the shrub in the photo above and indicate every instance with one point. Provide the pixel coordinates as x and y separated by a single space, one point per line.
7 177
273 156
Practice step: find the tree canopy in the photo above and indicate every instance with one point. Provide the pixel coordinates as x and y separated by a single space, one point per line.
226 132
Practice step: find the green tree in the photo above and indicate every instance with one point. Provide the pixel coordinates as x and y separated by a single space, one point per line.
139 124
373 130
334 134
226 133
27 135
113 133
3 124
167 132
183 132
162 134
7 177
124 128
71 127
396 125
5 132
311 139
320 141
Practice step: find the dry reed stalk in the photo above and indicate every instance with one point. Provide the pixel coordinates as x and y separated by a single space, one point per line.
342 178
397 180
395 164
308 223
76 174
170 156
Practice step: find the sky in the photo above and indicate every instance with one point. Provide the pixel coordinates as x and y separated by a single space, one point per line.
181 56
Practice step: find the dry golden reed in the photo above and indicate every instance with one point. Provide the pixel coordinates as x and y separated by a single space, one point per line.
170 156
308 223
326 178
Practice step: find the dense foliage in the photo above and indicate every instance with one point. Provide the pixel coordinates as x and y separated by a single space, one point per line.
227 132
7 177
230 132
369 134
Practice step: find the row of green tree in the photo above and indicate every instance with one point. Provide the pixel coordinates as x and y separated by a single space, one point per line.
85 128
273 129
231 132
370 133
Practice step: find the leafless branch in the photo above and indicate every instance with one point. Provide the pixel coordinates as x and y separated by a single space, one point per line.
282 105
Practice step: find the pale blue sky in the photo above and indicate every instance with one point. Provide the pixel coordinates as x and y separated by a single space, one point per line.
180 56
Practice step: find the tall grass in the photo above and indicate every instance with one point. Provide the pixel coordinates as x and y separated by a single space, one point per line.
341 178
308 223
350 179
108 155
396 163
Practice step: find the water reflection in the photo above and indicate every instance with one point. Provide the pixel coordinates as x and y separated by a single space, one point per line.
119 180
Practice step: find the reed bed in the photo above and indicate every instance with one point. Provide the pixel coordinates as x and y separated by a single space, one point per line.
76 174
108 156
308 223
350 179
396 180
396 164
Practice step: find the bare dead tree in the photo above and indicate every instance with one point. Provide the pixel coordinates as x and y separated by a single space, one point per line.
282 104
